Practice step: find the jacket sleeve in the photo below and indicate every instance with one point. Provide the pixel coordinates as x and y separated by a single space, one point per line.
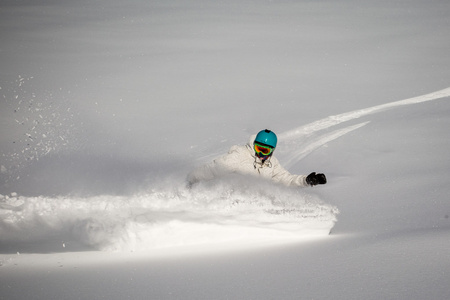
218 167
281 175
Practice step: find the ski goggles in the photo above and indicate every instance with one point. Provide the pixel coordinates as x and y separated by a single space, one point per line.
263 150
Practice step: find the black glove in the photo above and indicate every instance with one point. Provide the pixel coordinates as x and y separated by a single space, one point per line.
315 179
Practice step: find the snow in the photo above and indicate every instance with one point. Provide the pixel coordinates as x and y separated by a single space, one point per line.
106 106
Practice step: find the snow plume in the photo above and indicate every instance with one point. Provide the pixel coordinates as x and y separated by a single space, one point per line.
232 212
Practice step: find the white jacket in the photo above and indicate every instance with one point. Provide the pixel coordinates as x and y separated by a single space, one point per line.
242 160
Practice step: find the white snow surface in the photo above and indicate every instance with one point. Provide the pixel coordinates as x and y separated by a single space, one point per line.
105 106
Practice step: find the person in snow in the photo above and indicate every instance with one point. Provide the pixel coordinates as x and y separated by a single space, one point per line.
255 158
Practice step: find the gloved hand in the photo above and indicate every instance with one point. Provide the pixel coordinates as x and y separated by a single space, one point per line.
315 179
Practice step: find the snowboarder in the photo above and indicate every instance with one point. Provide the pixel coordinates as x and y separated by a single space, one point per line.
256 159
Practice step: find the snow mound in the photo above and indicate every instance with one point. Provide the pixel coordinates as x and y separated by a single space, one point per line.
233 212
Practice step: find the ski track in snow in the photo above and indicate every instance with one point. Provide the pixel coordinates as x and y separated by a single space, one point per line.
306 138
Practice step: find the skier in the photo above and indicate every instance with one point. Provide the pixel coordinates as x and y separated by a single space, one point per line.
256 159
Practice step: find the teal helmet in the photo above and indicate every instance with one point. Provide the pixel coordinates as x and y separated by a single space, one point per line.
266 137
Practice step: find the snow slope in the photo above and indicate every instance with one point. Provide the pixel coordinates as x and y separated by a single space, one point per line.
107 105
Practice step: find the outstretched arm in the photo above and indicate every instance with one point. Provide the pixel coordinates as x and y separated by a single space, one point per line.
283 176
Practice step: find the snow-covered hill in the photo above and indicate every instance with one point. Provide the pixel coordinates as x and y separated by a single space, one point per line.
106 106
